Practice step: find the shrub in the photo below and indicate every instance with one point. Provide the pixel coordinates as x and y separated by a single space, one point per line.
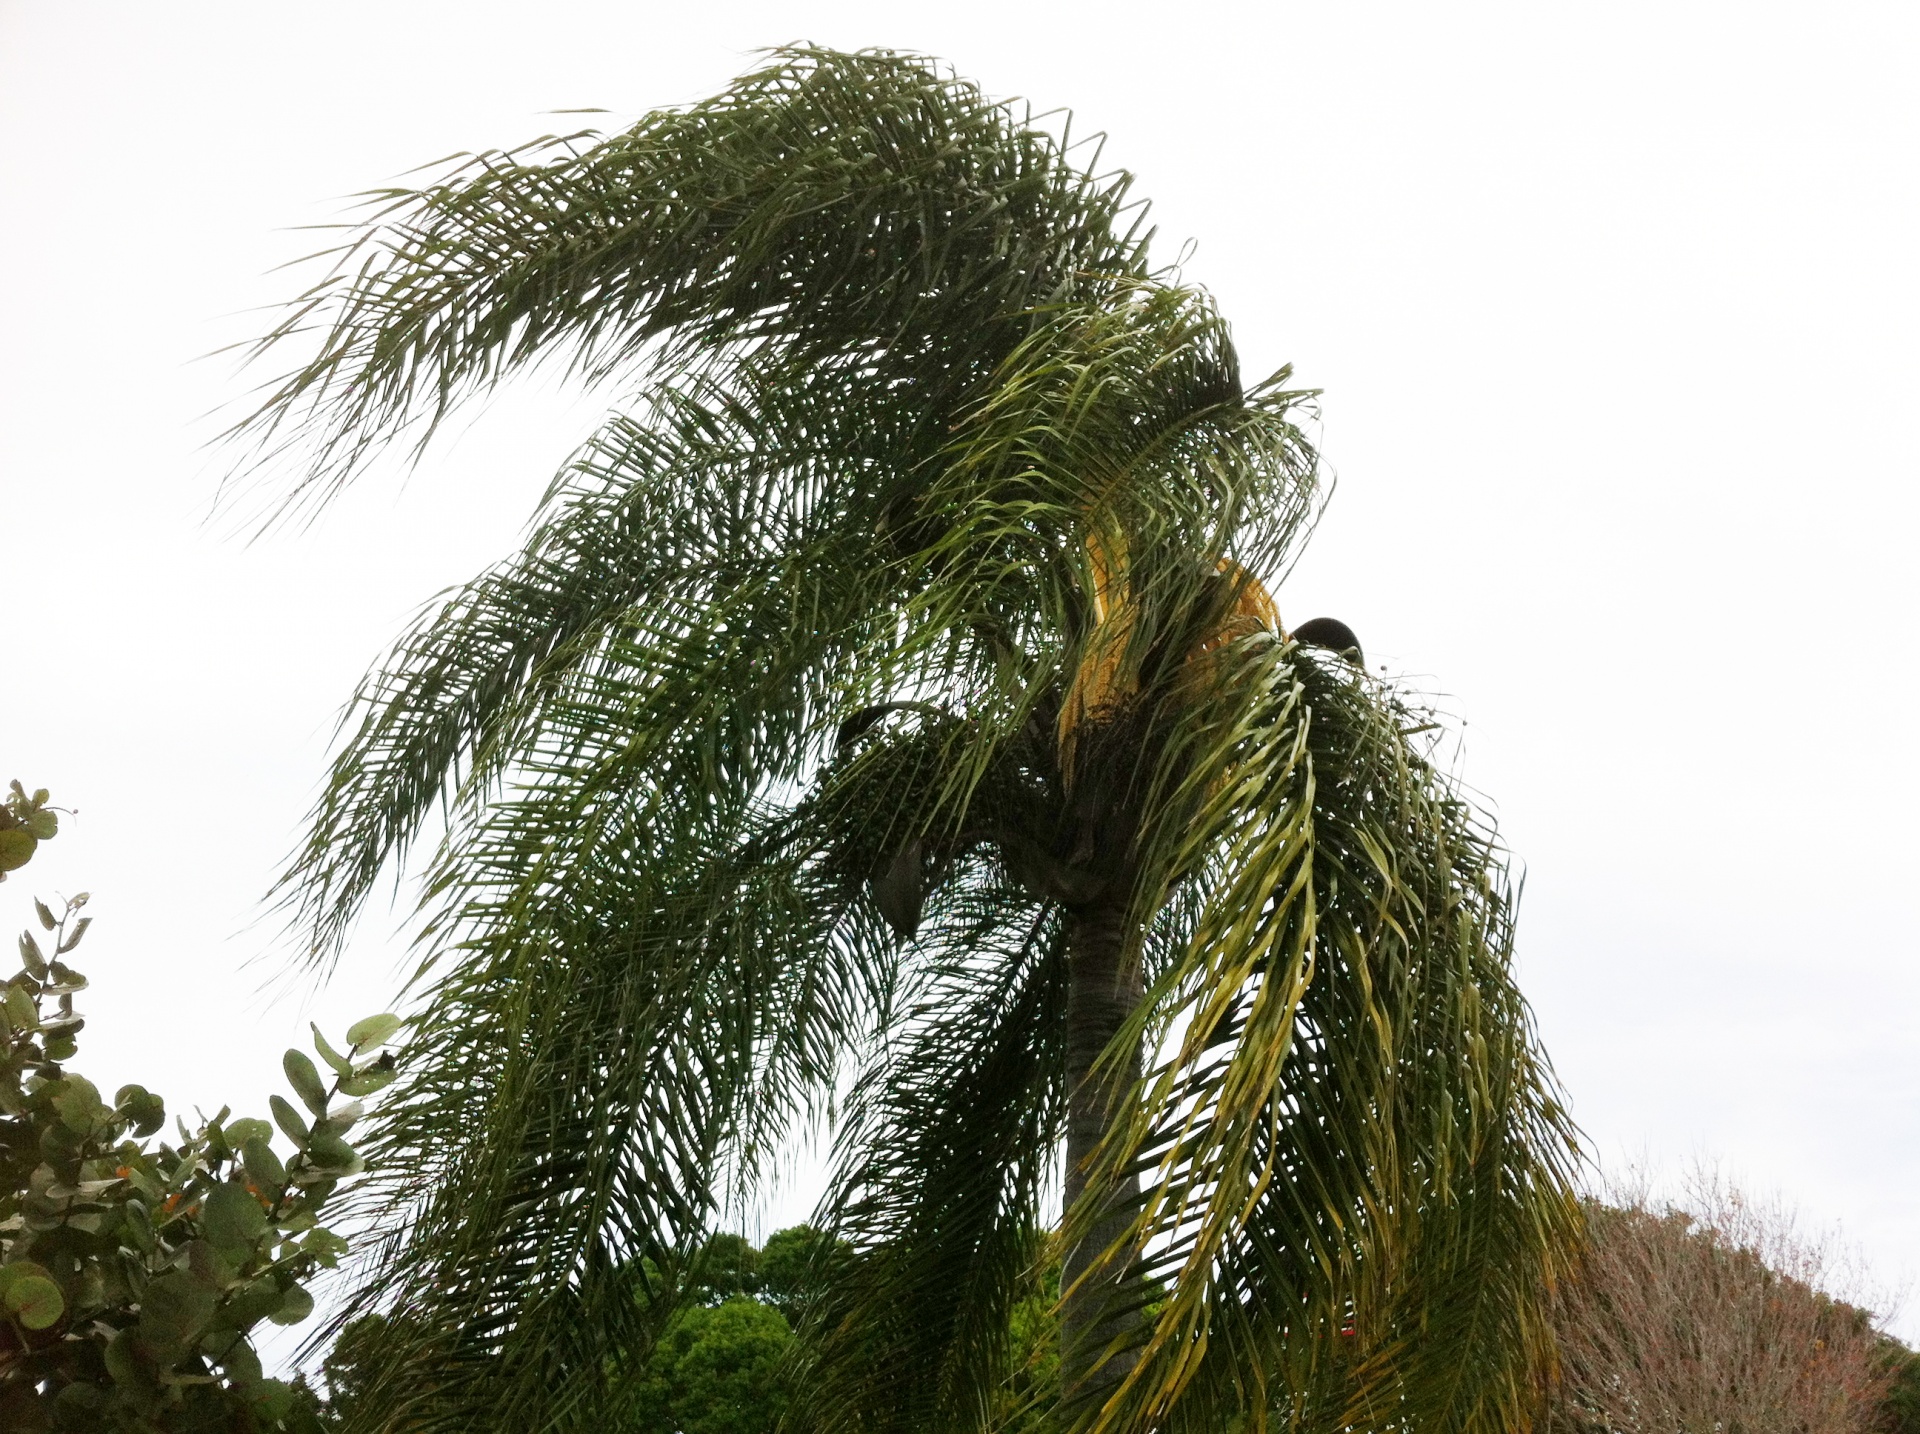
719 1365
1714 1318
133 1273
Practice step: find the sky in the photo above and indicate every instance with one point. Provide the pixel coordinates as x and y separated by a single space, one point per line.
1612 306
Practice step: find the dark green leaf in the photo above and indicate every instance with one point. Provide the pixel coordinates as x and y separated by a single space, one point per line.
306 1081
248 1306
330 1152
295 1305
232 1220
263 1166
144 1111
130 1371
237 1357
174 1310
35 1301
273 1399
289 1121
31 958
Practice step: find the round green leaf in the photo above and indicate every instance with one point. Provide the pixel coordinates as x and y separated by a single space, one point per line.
173 1313
16 848
273 1398
35 1301
263 1166
80 1405
330 1152
17 1270
144 1110
238 1359
373 1031
77 1102
247 1307
43 824
295 1305
231 1219
124 1363
246 1128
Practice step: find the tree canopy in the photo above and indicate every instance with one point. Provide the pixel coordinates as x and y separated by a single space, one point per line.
888 726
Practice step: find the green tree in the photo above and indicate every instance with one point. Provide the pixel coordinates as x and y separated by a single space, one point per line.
717 1369
720 1364
888 701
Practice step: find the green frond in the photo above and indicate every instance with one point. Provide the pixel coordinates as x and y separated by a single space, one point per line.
594 1061
947 1147
1356 1173
827 207
676 553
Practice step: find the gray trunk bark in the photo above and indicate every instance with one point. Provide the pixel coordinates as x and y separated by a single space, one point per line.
1103 988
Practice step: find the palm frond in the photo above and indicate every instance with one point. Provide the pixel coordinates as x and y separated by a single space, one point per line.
675 553
579 1092
826 205
1352 1128
947 1147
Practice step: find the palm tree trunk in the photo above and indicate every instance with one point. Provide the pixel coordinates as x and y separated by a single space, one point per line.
1103 989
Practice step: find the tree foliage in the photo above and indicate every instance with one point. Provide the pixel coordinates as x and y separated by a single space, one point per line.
25 821
133 1273
908 622
1901 1412
722 1364
1716 1316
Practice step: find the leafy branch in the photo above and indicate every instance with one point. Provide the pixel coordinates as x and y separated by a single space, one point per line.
133 1273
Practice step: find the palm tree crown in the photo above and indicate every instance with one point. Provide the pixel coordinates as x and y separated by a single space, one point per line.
885 725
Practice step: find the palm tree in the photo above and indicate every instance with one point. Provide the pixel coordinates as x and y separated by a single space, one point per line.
885 731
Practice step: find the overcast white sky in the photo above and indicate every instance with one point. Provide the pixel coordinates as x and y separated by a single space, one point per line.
1614 306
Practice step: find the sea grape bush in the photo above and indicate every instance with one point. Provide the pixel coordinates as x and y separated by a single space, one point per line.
134 1271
